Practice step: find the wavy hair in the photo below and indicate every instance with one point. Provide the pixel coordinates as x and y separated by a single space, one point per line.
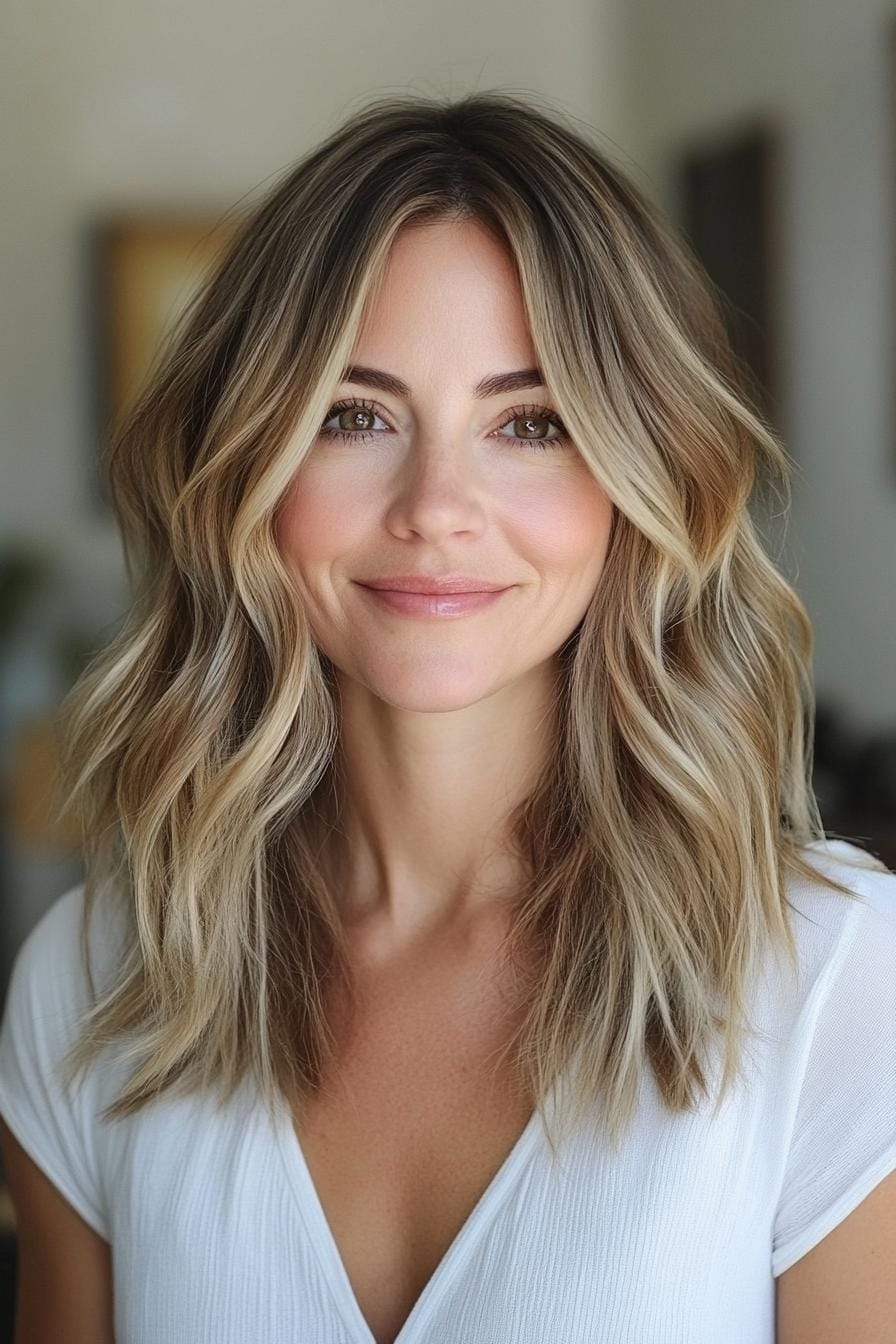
198 746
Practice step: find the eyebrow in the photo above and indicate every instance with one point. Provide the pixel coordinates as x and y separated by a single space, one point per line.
492 386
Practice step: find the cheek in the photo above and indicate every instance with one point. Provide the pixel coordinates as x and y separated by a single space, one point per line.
320 518
566 526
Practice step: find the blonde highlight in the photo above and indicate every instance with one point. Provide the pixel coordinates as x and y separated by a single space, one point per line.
198 747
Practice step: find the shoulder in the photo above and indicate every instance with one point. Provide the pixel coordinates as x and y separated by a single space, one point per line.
863 873
52 982
46 970
49 992
830 929
856 868
835 1221
831 1097
844 981
54 935
53 946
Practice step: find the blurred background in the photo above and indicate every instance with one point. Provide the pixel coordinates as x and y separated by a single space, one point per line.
134 132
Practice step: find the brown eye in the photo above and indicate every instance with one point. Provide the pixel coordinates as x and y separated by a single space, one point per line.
355 421
356 417
533 423
534 426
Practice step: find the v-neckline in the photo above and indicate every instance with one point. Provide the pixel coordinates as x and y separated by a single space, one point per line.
324 1243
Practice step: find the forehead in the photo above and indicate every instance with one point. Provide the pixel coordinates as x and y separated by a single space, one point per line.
448 290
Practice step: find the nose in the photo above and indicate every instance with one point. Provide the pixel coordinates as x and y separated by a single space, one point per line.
439 494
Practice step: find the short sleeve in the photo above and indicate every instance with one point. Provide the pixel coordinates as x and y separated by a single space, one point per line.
47 992
844 1136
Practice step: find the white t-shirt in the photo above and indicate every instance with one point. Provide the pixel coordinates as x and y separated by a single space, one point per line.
219 1238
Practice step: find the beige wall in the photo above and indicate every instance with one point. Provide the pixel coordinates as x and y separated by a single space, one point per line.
109 105
819 67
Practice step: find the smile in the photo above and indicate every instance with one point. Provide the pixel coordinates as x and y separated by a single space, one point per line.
432 604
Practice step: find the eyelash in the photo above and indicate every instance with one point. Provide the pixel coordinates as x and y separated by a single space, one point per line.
515 413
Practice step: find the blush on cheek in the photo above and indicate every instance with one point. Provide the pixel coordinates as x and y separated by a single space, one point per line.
312 521
326 521
568 527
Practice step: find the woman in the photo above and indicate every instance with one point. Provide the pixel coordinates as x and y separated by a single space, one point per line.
470 960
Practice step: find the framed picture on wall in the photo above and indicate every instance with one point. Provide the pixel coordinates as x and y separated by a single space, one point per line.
147 268
727 202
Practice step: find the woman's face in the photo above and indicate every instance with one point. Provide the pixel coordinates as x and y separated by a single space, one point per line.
442 480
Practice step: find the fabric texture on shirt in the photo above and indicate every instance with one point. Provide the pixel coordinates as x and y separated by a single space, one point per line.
219 1238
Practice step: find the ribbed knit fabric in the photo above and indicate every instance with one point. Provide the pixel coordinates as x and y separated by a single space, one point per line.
218 1236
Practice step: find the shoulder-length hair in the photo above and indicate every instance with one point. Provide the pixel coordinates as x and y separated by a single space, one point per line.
198 746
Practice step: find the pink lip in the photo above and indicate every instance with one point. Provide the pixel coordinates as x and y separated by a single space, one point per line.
432 604
434 583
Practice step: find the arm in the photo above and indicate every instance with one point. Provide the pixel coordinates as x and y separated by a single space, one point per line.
64 1275
844 1288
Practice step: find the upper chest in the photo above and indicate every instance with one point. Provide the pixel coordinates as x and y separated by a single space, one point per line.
414 1122
668 1239
416 1116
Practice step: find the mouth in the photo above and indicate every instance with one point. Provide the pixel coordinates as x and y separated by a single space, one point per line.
406 602
434 584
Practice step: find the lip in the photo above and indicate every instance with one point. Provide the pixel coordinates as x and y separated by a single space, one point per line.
434 585
408 603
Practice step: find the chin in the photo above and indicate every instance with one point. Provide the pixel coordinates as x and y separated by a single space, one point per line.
434 694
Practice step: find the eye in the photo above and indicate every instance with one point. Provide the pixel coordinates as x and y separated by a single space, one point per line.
532 418
364 413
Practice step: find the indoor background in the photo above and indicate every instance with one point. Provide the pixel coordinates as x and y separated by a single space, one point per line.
766 129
